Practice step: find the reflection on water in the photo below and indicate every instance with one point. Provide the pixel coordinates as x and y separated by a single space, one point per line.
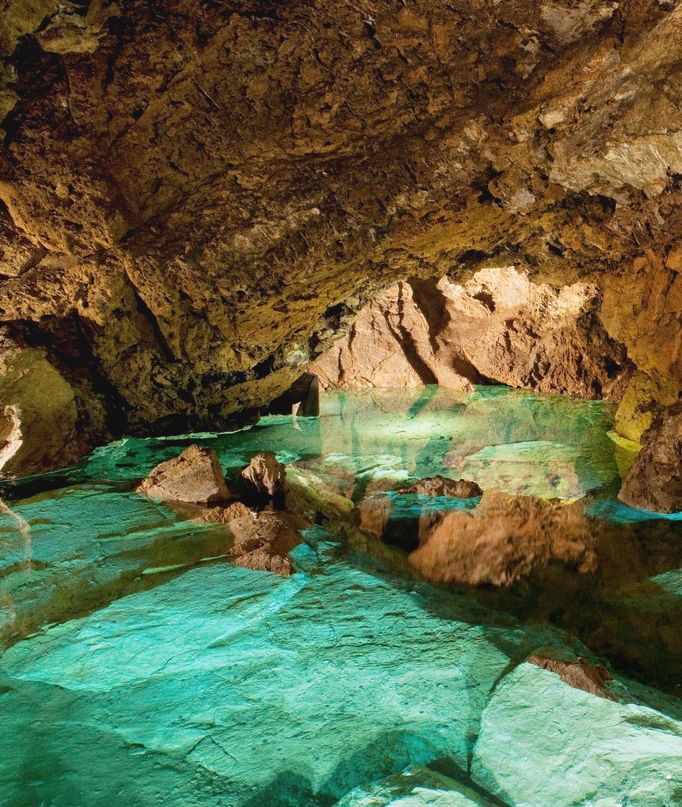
224 686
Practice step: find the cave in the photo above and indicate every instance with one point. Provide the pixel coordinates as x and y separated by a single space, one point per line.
340 403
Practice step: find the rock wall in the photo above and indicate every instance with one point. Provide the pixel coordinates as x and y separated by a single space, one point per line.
497 327
208 193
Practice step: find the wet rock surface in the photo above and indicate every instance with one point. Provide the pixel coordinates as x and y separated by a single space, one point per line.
264 478
654 482
578 673
195 477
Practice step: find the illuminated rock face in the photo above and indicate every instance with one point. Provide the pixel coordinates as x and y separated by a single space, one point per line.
497 327
197 199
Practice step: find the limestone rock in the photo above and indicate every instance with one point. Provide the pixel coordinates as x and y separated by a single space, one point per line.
442 486
578 673
195 476
265 477
302 398
654 482
644 396
499 326
389 345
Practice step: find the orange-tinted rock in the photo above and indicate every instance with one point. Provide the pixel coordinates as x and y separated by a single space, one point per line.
265 477
579 674
498 326
654 482
502 540
262 539
195 477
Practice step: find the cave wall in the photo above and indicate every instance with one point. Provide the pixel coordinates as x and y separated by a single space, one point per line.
208 192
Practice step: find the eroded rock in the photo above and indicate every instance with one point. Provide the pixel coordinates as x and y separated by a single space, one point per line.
654 482
499 326
264 478
502 540
262 539
195 477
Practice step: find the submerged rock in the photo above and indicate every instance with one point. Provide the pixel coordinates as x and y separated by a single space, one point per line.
578 673
502 540
542 742
654 482
195 477
442 486
418 786
262 539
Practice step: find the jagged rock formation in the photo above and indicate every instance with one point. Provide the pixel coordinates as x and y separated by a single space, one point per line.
195 477
496 327
206 194
654 482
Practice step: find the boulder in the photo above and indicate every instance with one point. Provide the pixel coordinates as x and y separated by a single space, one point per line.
502 540
654 482
264 478
442 486
195 477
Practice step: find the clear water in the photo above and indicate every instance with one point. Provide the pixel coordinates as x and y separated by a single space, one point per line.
142 668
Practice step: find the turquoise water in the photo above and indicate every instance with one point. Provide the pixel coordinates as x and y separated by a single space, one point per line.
141 667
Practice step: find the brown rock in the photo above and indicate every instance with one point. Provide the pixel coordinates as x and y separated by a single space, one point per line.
265 477
654 482
502 540
442 486
498 326
579 673
262 539
195 476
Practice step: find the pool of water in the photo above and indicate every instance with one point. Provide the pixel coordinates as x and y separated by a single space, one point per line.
140 666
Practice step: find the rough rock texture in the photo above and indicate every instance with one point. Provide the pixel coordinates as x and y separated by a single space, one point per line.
195 476
262 539
497 327
578 673
654 482
265 477
44 421
212 191
442 486
502 540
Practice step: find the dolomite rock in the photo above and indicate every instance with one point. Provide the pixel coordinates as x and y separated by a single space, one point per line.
195 477
442 486
498 326
475 547
654 482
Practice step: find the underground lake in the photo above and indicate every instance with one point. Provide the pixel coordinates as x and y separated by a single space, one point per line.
520 646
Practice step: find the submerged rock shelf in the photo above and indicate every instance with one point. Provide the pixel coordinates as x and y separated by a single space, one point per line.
142 667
